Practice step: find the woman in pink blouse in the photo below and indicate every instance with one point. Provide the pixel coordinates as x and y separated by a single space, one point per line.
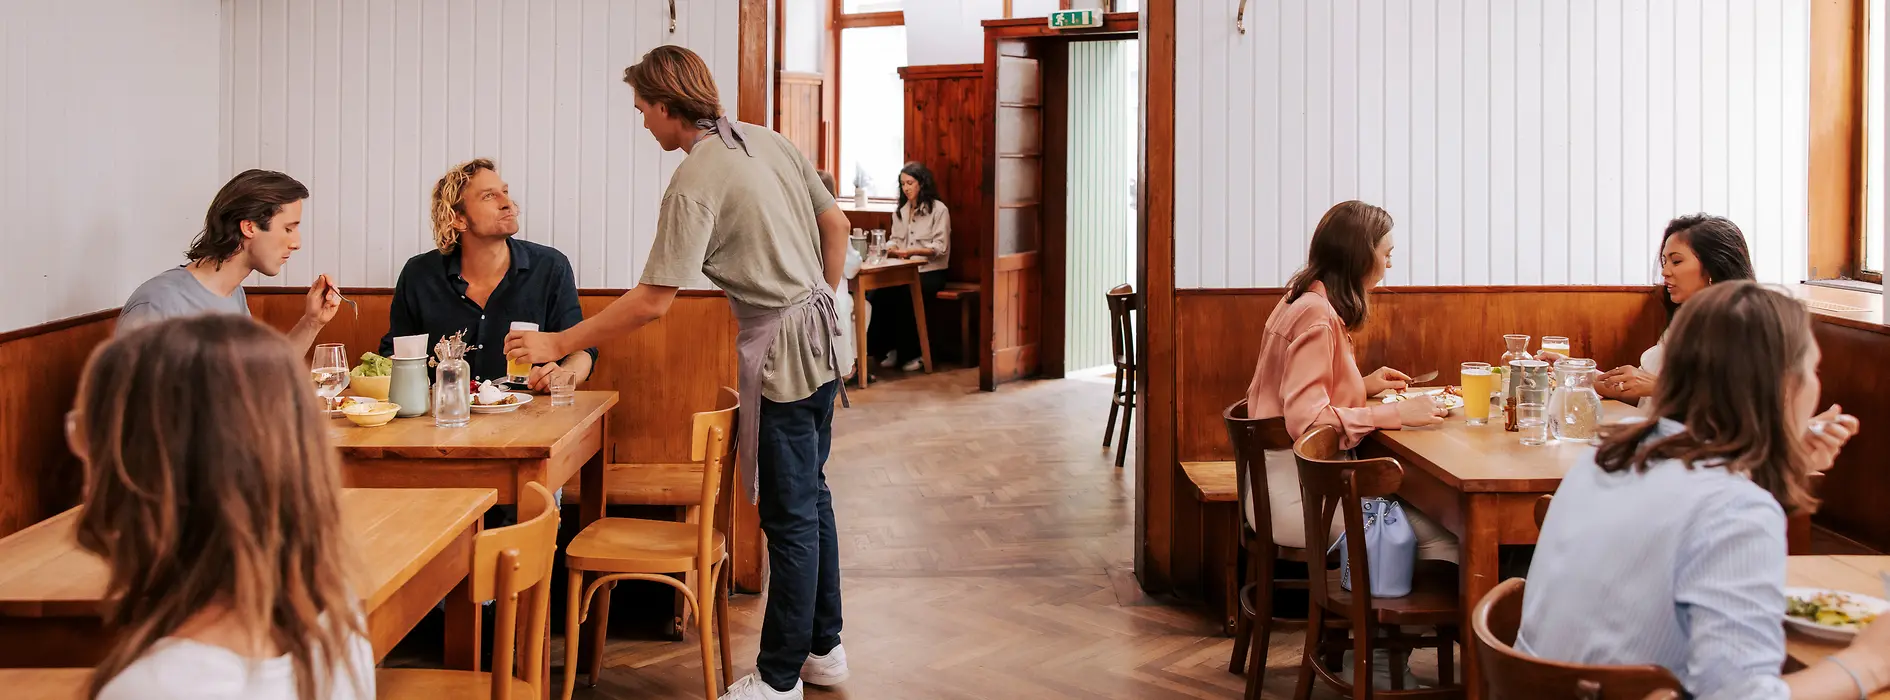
1307 372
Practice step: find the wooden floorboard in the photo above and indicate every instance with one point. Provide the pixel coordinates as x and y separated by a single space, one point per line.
986 553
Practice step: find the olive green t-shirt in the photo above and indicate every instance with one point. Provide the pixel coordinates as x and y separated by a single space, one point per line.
746 221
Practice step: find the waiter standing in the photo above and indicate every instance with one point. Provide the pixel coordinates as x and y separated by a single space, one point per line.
746 209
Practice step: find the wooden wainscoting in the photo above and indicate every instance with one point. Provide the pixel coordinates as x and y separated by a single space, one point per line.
1017 317
800 118
39 374
1218 336
1856 377
945 130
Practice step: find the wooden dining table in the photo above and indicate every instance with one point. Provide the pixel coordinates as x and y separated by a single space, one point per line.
1853 574
1480 483
413 547
499 451
883 275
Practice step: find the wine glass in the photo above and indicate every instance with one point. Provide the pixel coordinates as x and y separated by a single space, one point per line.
330 371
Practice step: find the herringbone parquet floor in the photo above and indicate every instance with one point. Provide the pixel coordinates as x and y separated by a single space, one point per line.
986 546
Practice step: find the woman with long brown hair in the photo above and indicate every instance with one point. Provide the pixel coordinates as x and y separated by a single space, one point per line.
1308 374
1667 545
213 494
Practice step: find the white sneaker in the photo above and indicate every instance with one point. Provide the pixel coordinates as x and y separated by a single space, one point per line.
891 361
914 366
826 671
751 687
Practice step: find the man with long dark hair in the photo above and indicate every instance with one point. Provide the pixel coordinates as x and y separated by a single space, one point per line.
747 210
253 225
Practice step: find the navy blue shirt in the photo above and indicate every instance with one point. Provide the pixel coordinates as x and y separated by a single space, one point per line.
430 298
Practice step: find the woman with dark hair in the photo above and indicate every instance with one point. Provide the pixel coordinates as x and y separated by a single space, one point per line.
1667 544
1308 374
921 228
1697 251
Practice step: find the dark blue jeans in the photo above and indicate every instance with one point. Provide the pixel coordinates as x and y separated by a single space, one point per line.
803 550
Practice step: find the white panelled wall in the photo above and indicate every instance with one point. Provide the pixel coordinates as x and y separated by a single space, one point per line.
108 145
1514 142
369 102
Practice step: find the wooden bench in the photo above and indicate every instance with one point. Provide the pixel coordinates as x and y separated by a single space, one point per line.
1215 487
966 294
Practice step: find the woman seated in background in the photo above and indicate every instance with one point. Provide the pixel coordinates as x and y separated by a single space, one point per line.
921 228
1308 374
213 494
1697 251
1667 545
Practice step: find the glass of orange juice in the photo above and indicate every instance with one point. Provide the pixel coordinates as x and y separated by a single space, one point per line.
1479 382
518 371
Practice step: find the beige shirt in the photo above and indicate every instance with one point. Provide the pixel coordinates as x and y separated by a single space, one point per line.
747 223
932 229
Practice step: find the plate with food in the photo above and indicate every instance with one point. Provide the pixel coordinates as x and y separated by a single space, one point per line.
1450 397
490 398
341 405
1830 614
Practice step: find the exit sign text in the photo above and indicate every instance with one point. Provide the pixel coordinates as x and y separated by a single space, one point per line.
1075 19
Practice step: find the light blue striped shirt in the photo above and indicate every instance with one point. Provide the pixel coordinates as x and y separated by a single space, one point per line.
1684 568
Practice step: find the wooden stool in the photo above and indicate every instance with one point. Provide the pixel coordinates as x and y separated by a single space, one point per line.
507 563
966 294
1122 300
649 550
1333 484
1512 674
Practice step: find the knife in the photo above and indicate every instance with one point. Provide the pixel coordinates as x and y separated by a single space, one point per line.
1422 378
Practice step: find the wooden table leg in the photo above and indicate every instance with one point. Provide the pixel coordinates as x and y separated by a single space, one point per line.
918 318
1477 574
859 330
463 628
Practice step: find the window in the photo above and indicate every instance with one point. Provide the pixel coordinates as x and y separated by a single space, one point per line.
872 110
852 7
1876 180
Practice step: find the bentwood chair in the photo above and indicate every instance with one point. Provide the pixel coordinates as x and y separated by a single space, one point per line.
618 549
1122 302
510 565
1258 584
1511 674
1330 483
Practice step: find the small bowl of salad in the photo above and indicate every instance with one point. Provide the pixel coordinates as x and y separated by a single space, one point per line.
371 378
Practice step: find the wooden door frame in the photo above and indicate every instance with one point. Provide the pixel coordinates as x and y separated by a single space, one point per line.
1052 47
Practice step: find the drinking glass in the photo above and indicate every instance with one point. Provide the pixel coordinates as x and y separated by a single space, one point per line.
1556 344
517 371
1479 383
1532 420
330 371
563 387
879 245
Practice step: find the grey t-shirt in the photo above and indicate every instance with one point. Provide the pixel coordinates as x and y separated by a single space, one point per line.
173 293
747 223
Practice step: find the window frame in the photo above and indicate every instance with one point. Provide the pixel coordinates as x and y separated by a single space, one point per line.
1838 163
1861 151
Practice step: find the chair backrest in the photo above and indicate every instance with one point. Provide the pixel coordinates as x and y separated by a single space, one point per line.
1122 300
1251 438
513 563
1512 674
1330 483
1542 509
712 442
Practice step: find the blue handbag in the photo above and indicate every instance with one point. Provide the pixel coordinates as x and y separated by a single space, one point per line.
1390 549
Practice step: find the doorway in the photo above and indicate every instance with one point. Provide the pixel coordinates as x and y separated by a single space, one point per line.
1099 198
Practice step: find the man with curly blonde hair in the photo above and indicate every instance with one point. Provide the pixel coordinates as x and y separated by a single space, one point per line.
480 278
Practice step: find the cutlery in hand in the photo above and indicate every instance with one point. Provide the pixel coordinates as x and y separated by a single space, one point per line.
1422 378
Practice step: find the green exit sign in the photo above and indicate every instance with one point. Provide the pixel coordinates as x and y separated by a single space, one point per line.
1075 19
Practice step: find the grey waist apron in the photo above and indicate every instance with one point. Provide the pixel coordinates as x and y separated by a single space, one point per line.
760 328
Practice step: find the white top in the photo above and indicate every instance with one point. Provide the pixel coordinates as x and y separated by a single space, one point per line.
1681 566
182 669
1650 363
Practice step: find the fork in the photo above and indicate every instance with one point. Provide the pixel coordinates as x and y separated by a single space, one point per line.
344 298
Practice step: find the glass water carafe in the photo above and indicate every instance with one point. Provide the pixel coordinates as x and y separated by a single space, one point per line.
1575 408
1516 348
452 399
